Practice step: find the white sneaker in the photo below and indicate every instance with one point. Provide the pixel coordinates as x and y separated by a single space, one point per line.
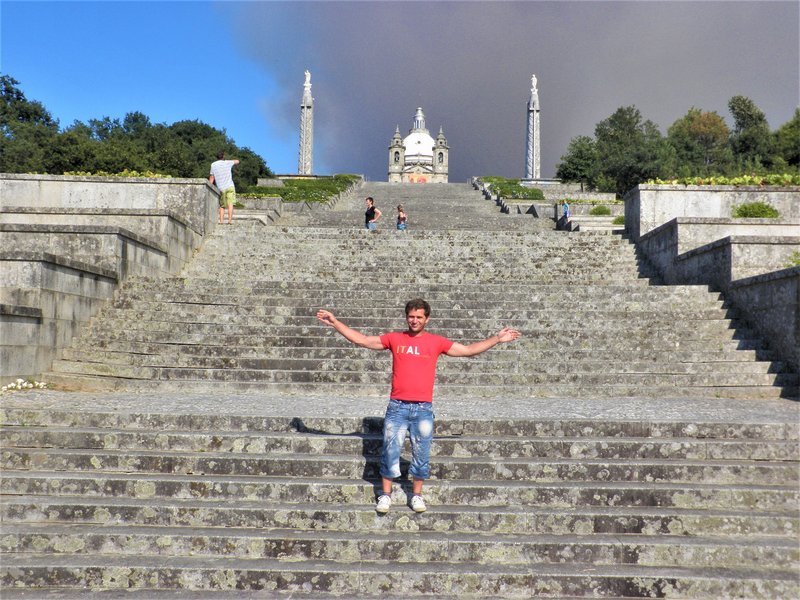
418 504
384 502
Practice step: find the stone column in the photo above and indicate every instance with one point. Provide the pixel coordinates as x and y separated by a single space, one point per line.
305 159
533 151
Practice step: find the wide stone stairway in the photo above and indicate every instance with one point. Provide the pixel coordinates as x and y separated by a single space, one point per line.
243 315
632 443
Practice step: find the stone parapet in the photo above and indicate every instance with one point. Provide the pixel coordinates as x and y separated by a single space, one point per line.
193 200
173 233
648 206
114 248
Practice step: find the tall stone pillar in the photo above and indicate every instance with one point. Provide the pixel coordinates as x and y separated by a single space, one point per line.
533 160
305 161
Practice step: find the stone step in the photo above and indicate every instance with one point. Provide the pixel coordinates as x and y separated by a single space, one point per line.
604 343
75 377
231 489
197 313
727 523
525 428
529 469
451 580
355 232
340 252
476 272
474 382
115 351
288 359
665 328
639 327
422 277
381 364
411 548
369 444
307 300
256 284
509 295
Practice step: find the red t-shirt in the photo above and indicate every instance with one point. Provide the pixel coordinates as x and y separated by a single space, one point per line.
414 363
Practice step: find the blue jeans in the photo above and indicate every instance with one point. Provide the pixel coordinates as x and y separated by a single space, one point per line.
416 419
370 226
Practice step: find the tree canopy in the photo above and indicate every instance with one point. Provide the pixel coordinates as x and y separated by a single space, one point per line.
628 149
32 142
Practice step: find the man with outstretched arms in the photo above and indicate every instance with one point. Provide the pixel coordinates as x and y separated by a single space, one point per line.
410 410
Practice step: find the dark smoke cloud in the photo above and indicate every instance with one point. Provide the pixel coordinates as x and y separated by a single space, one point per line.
468 64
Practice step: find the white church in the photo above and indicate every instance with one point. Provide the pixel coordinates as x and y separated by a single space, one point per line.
418 158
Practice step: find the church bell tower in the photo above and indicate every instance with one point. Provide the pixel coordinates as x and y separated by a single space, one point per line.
397 157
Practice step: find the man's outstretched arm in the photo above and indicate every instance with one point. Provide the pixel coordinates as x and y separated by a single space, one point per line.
373 342
503 336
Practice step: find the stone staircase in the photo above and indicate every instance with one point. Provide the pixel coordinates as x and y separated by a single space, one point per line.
195 505
603 454
242 315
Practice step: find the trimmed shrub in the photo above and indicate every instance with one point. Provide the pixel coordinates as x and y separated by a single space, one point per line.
318 189
600 211
755 210
618 220
510 189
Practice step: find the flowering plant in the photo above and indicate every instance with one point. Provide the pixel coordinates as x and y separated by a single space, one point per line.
23 384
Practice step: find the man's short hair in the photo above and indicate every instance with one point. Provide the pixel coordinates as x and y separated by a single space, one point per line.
416 304
220 155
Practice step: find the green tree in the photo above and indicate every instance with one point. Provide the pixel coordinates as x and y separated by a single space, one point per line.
631 150
787 141
580 163
32 142
700 140
27 131
751 140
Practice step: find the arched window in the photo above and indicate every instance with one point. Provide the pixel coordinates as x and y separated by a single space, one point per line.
441 158
397 157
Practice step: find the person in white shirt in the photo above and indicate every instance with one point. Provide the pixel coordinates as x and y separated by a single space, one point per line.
221 176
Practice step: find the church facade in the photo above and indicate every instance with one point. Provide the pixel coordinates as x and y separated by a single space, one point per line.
418 158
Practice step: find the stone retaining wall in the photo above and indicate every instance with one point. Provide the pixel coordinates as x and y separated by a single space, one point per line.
771 303
74 240
172 232
114 248
194 200
648 206
687 233
46 299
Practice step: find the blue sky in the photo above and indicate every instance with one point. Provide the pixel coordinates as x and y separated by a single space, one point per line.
238 66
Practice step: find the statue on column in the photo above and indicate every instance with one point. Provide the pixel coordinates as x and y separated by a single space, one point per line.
534 92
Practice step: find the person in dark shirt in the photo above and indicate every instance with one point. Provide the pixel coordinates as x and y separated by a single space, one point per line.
371 215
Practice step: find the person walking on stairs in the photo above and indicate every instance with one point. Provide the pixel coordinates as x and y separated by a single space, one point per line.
401 218
221 176
410 408
371 215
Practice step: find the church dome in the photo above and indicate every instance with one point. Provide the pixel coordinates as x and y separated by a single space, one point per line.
419 143
419 146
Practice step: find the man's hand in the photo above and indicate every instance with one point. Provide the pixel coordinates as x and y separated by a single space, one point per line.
326 316
507 334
